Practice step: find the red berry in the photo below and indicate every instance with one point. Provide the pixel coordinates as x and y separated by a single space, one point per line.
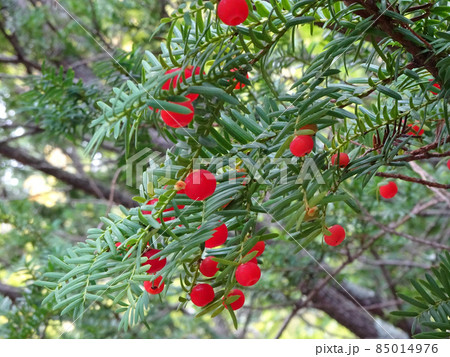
148 203
177 120
232 12
239 85
174 80
436 85
415 130
165 219
202 294
208 267
119 246
448 164
389 190
154 287
200 184
236 305
258 247
253 260
177 79
343 159
337 235
248 274
302 145
155 264
219 237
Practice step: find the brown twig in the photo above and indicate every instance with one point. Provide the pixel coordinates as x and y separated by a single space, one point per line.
413 179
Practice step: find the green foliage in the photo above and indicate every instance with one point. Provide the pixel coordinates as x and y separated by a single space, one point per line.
60 103
309 62
432 304
240 128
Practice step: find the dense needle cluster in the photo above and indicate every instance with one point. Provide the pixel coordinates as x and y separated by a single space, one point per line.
199 185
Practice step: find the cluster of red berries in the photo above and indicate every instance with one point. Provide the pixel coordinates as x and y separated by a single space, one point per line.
156 286
177 120
239 85
232 13
247 274
304 144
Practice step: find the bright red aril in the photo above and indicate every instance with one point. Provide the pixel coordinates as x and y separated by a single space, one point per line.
258 247
239 85
155 264
208 267
178 79
301 145
436 85
200 184
202 294
232 12
389 190
248 274
177 120
154 287
415 130
336 237
219 237
344 160
236 305
165 219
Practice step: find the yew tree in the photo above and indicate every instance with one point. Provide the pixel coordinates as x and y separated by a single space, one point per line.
285 118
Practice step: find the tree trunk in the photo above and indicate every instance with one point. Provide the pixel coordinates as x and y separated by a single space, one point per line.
353 316
98 190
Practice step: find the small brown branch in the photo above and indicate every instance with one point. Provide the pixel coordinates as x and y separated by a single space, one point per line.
412 179
395 263
10 291
423 156
383 305
443 194
78 182
8 59
420 7
21 58
288 320
423 56
387 276
426 148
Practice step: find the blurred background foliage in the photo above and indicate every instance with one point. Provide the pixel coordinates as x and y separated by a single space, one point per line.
53 70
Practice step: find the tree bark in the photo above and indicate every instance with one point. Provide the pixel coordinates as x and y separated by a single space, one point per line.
352 316
423 56
81 183
10 291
